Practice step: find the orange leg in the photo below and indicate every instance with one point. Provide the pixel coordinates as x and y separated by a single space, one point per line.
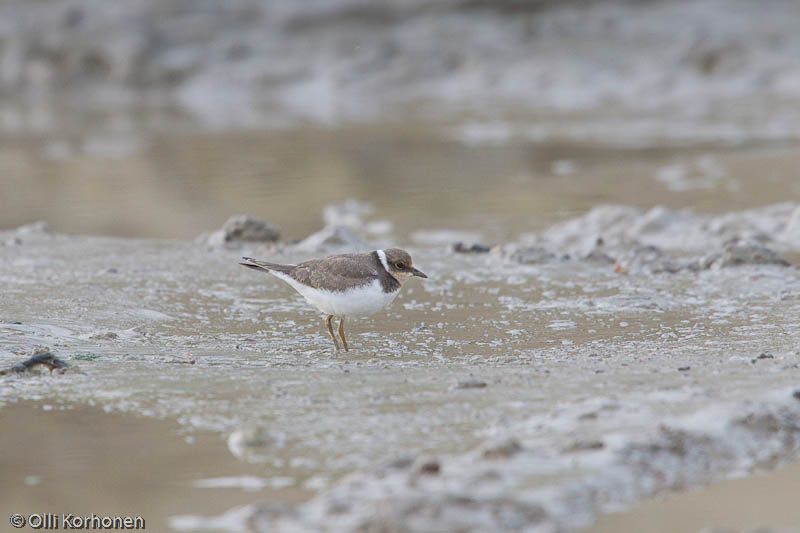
341 335
330 331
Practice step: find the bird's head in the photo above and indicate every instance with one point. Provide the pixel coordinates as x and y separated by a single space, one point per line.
400 265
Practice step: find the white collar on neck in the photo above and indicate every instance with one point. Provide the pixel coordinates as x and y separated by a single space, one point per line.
382 257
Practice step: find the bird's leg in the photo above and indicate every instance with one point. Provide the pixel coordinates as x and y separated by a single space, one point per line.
341 335
330 331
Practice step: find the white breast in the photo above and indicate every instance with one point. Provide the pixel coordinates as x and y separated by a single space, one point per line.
357 302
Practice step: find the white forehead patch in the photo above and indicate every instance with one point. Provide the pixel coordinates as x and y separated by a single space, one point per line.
382 257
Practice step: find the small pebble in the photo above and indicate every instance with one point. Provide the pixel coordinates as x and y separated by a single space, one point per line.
762 356
429 466
473 248
583 446
471 384
684 368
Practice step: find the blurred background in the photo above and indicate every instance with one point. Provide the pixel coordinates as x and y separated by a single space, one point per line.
161 118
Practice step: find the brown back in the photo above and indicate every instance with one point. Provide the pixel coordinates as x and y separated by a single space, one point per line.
344 271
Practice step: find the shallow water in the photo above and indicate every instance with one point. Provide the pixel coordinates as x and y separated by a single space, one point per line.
75 459
763 502
180 186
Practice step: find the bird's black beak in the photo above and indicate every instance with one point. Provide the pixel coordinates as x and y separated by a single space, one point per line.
418 273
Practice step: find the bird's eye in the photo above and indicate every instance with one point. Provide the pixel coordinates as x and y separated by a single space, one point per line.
400 266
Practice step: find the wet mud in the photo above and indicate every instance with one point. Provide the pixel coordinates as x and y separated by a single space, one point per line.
499 394
617 72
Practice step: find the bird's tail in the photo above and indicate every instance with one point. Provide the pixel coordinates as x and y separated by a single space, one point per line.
265 266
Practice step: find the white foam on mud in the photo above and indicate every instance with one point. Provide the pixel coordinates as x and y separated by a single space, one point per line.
479 492
247 483
562 324
233 521
704 172
151 314
670 229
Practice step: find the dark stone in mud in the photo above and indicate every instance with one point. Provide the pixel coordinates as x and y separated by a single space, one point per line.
429 466
474 248
471 384
796 394
584 446
762 356
244 229
684 368
41 358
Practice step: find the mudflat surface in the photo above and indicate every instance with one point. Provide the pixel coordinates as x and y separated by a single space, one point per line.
631 332
617 72
550 386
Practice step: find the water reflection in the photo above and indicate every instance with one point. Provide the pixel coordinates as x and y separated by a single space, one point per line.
179 186
123 464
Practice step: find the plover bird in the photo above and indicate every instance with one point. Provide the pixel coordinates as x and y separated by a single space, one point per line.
346 285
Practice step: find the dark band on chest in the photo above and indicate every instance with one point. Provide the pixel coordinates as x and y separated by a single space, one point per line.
388 282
